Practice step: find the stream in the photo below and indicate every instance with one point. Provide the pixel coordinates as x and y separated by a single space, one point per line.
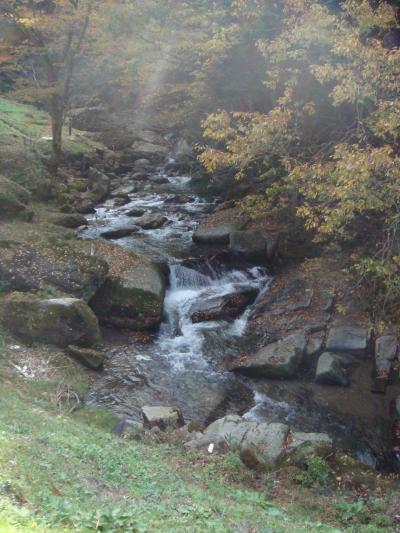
186 365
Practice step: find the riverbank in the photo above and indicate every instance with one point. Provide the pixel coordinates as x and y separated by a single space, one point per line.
186 364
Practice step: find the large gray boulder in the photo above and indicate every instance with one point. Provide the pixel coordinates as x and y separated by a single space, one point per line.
218 227
280 360
218 233
264 445
132 296
229 430
253 245
329 370
352 339
149 150
58 321
261 445
162 417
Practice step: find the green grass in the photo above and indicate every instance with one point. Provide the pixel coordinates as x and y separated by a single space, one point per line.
69 473
18 120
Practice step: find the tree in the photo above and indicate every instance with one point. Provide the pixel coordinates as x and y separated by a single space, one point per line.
52 35
330 138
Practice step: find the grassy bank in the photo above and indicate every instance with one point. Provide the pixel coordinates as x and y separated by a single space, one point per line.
63 471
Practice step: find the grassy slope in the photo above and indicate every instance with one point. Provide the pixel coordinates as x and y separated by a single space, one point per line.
59 473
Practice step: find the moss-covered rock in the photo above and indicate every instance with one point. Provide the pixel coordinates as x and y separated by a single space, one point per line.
72 220
60 321
89 357
133 295
13 201
48 259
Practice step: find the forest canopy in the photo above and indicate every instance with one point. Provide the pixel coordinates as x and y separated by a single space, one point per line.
296 99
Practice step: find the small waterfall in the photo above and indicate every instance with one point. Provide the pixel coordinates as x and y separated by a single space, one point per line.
183 277
181 341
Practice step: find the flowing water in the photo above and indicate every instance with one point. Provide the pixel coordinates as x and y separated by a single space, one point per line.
186 364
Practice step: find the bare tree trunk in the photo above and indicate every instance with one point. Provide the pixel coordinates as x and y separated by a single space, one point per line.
57 119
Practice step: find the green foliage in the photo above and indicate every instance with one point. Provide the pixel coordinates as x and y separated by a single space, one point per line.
317 473
326 147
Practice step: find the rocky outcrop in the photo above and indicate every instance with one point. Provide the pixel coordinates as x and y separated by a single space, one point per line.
351 339
329 370
162 417
253 245
218 227
280 360
156 153
94 118
225 307
133 294
261 445
49 260
13 201
60 321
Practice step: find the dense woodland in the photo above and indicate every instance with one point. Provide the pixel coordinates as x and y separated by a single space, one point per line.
282 120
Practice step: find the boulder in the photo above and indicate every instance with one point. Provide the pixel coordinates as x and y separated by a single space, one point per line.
352 339
162 417
141 164
59 321
135 213
72 220
280 360
91 119
152 221
253 245
119 233
133 295
150 151
315 344
121 200
53 262
98 184
130 430
229 430
264 445
385 352
329 370
214 232
89 357
13 201
225 307
310 445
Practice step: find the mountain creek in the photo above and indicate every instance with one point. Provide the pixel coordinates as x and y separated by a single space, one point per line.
188 363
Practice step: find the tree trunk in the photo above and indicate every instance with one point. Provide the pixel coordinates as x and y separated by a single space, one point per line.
57 118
